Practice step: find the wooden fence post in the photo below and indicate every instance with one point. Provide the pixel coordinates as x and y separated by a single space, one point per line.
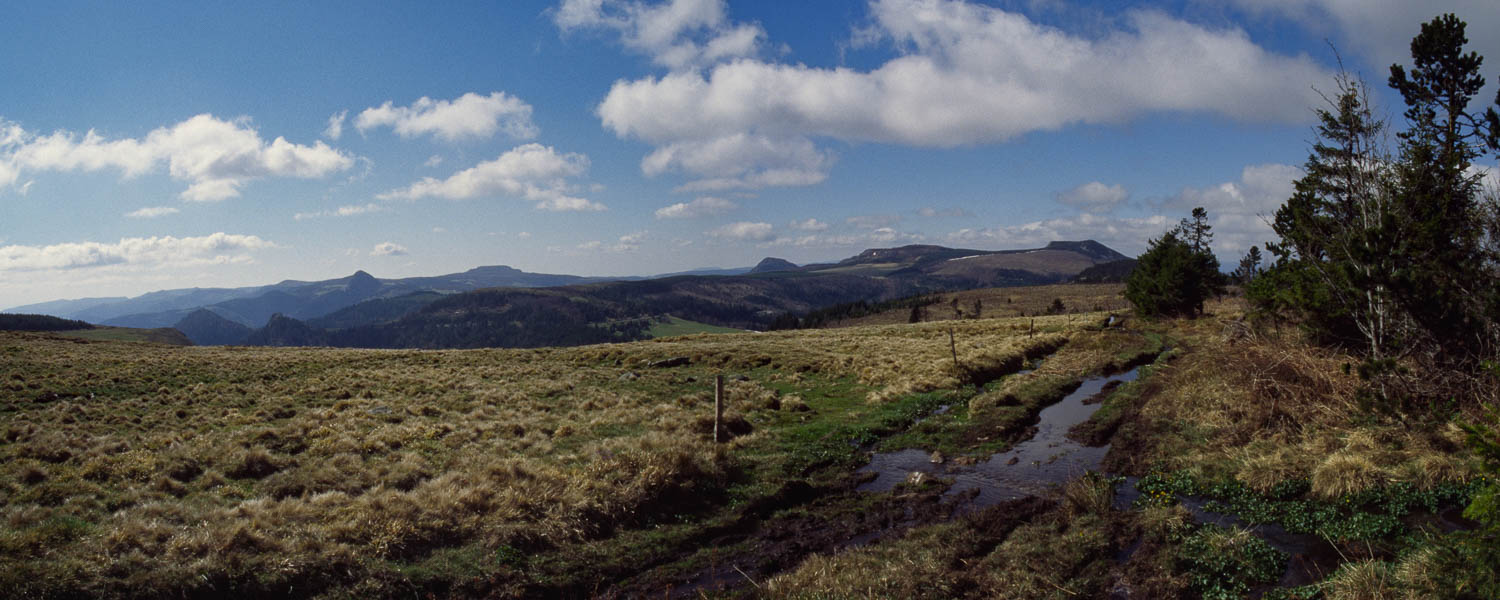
719 409
953 347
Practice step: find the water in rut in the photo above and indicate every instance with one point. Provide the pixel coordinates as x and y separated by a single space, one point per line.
1029 468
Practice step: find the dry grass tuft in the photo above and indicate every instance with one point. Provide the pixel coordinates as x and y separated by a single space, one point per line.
1363 580
1345 473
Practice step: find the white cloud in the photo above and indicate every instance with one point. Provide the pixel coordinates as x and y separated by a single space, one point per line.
809 225
965 74
873 221
343 211
676 33
1094 197
928 211
1239 212
741 161
470 116
703 206
433 161
1381 32
525 235
151 212
744 231
163 251
626 243
335 128
880 236
388 249
216 157
532 171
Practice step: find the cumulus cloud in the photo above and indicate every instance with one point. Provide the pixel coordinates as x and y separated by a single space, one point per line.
1239 212
470 116
677 34
1381 32
928 211
703 206
809 225
535 172
744 231
627 243
343 211
881 236
216 157
335 128
163 251
741 161
873 221
388 249
965 74
151 212
1094 197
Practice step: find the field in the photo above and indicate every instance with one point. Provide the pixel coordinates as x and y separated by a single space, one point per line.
1009 302
142 470
165 335
676 327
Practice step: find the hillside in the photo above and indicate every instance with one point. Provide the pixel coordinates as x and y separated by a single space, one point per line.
252 306
613 311
207 328
734 298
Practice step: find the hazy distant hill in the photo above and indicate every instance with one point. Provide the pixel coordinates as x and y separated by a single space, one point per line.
772 265
623 310
207 328
252 306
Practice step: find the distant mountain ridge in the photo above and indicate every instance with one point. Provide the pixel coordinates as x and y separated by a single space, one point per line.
622 310
503 306
253 306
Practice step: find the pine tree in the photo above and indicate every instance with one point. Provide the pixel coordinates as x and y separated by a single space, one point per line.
1336 253
1441 278
1196 231
1172 279
1249 266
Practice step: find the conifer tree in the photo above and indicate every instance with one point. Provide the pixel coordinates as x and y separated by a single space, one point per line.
1441 277
1172 278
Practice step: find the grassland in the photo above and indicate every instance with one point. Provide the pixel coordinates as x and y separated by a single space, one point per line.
162 335
1077 299
675 327
130 470
157 470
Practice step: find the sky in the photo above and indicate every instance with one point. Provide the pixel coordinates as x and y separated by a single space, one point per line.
148 146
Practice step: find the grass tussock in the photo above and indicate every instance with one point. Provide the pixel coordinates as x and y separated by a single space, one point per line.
130 470
1287 410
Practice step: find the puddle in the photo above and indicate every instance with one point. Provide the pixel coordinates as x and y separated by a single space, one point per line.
1049 459
1030 468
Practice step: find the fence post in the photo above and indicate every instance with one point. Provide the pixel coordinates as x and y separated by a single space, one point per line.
719 409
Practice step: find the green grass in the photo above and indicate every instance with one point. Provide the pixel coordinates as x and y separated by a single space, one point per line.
675 327
161 335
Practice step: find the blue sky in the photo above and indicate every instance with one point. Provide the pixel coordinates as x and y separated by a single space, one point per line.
226 144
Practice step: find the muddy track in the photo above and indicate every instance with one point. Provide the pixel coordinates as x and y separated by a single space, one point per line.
778 532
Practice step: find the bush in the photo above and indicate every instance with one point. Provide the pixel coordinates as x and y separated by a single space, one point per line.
1173 279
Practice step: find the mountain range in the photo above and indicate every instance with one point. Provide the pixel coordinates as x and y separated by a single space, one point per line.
502 306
